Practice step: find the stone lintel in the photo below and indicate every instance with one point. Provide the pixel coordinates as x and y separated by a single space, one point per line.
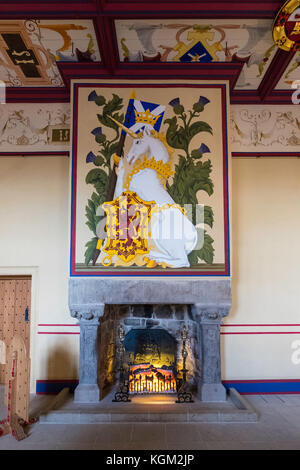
94 292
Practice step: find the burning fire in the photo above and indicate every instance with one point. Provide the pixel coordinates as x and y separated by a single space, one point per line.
145 378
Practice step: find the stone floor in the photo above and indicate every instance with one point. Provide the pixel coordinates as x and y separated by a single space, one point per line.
278 428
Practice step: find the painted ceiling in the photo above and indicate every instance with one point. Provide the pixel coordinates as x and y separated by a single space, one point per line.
31 49
103 38
249 43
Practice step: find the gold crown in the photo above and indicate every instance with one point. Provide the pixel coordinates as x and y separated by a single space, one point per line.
146 117
163 170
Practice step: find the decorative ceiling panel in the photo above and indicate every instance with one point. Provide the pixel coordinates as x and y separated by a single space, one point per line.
248 42
291 74
30 49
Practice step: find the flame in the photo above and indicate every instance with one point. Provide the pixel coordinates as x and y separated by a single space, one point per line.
145 378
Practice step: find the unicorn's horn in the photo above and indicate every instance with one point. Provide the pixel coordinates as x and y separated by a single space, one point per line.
124 128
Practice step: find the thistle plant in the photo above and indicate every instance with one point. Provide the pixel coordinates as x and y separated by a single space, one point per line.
192 172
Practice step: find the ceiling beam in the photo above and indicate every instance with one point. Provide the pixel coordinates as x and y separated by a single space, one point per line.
42 9
204 8
275 70
56 9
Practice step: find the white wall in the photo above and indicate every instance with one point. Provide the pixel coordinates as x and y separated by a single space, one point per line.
266 269
34 233
266 262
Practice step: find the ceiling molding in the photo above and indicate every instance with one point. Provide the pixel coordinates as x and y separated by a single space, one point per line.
179 9
56 9
37 95
75 9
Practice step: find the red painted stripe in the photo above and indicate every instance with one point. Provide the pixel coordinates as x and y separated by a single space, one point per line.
261 324
57 324
257 381
58 332
264 154
29 153
261 333
270 393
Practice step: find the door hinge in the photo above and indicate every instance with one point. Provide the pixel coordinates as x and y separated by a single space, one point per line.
26 314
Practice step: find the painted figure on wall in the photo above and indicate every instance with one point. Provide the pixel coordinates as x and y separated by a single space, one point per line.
171 236
157 230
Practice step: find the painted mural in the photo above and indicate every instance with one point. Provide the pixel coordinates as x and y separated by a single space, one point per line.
249 43
30 49
28 127
150 179
265 128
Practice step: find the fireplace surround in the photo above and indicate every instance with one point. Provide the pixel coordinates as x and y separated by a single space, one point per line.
149 304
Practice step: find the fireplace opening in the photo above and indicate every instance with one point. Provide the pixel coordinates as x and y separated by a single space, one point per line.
150 357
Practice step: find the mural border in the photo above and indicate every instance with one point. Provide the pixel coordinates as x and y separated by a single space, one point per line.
75 87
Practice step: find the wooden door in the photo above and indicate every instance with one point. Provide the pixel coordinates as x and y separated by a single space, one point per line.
15 308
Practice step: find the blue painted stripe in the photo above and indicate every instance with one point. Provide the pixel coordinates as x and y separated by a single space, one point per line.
257 387
243 387
53 386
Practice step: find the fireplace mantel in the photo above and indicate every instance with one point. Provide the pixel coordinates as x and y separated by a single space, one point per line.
210 301
92 293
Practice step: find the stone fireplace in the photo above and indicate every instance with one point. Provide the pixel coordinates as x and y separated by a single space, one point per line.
152 313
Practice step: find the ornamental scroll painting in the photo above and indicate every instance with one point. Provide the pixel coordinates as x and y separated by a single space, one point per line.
150 178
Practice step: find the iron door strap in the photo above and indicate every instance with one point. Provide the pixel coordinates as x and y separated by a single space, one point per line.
26 314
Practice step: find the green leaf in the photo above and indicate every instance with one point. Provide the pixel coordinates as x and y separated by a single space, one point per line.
99 179
113 148
206 253
176 136
91 246
96 175
99 161
97 199
208 216
197 127
115 104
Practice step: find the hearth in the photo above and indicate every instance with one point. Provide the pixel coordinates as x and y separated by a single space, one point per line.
150 357
151 312
149 346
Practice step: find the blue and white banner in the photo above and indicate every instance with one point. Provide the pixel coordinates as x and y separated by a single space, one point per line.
140 108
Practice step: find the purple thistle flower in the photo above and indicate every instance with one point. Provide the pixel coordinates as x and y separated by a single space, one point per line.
202 100
97 131
90 158
92 96
175 102
204 149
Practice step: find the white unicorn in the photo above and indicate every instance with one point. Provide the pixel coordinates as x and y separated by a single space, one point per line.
172 235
